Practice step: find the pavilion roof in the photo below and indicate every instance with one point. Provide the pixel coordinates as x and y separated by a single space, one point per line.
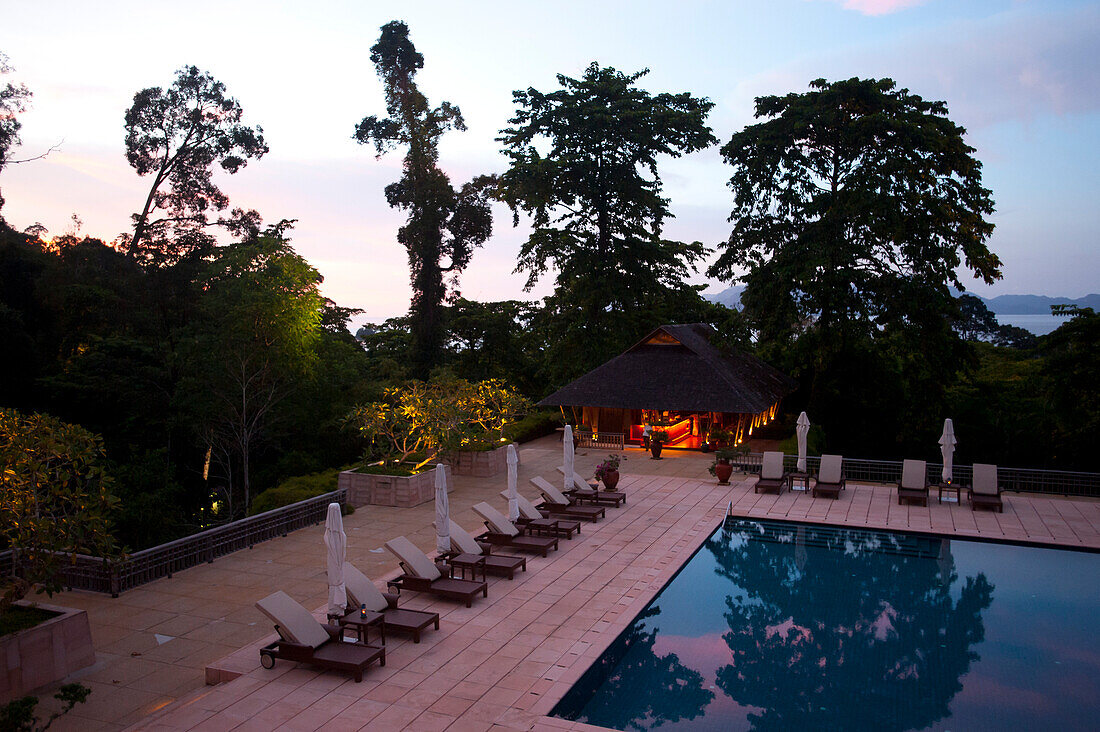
677 368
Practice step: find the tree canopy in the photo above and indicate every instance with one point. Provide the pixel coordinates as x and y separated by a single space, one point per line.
13 101
854 203
55 500
178 135
444 225
855 206
583 165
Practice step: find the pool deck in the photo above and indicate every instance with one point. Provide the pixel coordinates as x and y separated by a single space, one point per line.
501 664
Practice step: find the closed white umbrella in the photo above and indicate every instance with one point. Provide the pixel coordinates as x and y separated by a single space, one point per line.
947 448
567 463
336 545
802 428
442 512
513 496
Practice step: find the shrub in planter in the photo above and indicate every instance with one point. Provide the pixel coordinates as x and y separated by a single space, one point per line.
55 500
295 489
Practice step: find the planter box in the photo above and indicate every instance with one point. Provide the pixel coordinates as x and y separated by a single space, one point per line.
45 653
481 464
366 489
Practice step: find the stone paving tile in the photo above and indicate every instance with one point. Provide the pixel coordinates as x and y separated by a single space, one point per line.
498 665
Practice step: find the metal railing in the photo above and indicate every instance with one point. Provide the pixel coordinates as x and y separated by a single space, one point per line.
1019 480
99 575
600 440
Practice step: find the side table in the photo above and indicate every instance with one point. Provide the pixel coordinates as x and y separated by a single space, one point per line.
802 478
949 488
475 563
361 623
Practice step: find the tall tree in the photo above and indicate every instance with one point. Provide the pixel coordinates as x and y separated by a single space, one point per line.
13 101
595 199
444 224
262 318
855 205
178 135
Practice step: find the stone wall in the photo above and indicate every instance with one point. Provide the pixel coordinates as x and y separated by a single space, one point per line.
365 489
45 653
481 464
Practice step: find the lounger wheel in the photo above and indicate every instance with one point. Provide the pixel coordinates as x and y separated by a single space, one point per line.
267 660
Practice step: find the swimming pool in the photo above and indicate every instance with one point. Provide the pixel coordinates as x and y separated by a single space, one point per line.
776 625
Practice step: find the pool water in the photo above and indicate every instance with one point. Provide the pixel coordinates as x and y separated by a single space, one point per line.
780 626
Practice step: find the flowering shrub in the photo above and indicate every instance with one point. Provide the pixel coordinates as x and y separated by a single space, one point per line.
611 464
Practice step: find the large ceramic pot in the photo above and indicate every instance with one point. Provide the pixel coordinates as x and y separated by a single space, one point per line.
723 471
610 480
655 448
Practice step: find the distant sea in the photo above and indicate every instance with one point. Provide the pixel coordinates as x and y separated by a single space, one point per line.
1039 324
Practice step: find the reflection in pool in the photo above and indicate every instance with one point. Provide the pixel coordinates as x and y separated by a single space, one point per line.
773 625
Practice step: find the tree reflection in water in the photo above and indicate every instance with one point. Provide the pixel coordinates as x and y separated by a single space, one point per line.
862 635
640 689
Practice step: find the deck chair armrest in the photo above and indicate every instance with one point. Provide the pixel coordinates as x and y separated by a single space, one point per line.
391 600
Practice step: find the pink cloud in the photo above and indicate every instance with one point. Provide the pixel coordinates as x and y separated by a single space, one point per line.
879 7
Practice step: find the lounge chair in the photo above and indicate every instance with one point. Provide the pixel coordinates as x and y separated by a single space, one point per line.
363 593
304 640
583 490
557 503
772 475
532 519
914 482
830 477
497 564
985 489
502 532
422 575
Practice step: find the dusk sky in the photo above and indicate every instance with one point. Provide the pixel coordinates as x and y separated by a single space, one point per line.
1022 76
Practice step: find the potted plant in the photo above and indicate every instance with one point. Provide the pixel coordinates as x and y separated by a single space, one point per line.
607 472
718 438
721 469
735 455
657 439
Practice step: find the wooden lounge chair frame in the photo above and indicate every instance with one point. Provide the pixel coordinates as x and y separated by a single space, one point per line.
421 574
534 520
583 490
772 476
359 587
913 485
502 532
557 503
830 477
500 565
985 489
313 643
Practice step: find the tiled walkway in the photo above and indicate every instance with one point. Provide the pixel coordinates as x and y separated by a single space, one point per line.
505 661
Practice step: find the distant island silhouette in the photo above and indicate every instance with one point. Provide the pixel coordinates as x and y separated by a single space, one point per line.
999 305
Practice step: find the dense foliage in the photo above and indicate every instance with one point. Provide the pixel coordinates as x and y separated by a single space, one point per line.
419 422
55 501
209 379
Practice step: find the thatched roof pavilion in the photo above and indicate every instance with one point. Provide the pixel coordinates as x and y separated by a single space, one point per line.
675 376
